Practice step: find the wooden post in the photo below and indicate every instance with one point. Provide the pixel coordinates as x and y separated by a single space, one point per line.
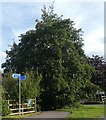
22 110
8 103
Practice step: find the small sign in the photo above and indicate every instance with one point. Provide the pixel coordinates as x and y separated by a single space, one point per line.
23 77
29 103
99 92
15 75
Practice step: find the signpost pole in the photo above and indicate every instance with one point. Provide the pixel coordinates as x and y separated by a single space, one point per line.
19 78
19 96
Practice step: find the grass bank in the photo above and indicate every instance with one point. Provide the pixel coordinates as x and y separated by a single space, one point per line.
86 111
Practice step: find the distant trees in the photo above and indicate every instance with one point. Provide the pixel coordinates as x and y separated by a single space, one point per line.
59 72
99 77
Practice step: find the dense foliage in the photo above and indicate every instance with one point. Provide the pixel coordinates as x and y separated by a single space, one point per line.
30 88
99 77
54 55
5 108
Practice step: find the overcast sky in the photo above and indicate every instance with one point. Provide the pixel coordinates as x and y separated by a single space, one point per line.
18 17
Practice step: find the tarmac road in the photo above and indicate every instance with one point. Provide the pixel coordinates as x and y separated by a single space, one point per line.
48 115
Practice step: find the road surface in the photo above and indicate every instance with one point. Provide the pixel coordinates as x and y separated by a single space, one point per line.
48 115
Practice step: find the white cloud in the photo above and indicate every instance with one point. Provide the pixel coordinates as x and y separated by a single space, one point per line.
105 51
52 1
17 32
0 41
78 20
94 42
2 56
0 25
94 36
67 9
80 0
96 49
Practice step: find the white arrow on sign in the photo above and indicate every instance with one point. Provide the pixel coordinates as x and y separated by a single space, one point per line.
15 75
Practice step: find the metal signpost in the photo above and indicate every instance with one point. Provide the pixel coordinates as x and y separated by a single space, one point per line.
19 78
19 96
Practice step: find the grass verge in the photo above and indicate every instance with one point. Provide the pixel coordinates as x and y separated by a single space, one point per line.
86 111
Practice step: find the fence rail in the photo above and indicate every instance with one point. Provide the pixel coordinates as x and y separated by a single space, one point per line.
25 108
103 98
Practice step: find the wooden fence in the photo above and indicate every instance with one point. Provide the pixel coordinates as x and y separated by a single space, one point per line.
25 107
103 98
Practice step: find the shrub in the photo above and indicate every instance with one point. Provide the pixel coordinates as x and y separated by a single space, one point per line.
5 109
76 104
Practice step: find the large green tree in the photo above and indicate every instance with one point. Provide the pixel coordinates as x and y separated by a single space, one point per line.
54 48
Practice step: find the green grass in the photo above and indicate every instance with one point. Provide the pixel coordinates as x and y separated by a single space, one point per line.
86 112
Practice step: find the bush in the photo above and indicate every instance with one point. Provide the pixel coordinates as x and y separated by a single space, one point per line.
93 102
76 104
5 109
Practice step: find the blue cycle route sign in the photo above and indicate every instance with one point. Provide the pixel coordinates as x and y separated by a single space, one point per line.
15 75
23 77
